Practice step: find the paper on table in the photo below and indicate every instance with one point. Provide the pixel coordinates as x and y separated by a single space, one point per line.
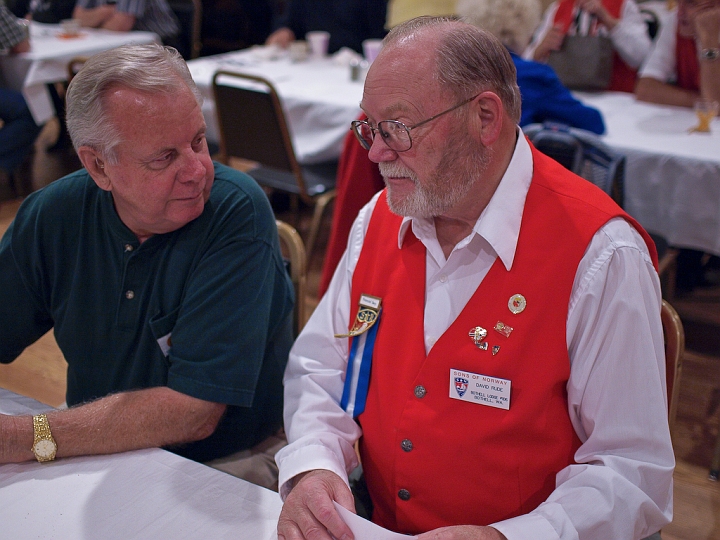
363 529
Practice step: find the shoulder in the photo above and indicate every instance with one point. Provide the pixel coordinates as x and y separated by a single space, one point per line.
61 200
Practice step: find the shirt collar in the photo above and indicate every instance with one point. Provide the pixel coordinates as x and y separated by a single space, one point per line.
499 223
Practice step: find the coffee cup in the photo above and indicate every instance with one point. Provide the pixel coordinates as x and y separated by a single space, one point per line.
318 42
371 48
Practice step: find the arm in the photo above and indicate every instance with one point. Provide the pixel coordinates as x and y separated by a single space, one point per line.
617 402
548 36
147 418
12 32
94 17
655 91
707 29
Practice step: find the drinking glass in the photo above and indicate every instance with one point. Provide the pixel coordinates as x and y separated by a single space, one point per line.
705 110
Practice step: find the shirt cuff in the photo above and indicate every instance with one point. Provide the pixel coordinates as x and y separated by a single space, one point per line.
530 525
292 462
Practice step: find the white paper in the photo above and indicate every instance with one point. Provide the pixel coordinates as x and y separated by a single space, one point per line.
363 529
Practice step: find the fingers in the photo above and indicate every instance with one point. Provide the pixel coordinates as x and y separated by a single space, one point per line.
309 512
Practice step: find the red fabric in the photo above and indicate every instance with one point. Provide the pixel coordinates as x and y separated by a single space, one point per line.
358 179
686 63
472 464
623 76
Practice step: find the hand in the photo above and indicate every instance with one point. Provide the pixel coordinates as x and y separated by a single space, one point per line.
551 42
281 37
463 532
595 7
309 512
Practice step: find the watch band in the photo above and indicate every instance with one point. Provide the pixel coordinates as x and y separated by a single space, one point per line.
710 54
44 446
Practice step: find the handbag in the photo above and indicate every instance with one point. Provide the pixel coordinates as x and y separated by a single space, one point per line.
584 62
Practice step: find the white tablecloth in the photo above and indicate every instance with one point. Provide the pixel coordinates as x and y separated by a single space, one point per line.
318 97
48 58
672 177
146 494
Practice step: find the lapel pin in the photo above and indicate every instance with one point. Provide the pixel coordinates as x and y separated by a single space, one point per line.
495 349
517 303
503 328
477 334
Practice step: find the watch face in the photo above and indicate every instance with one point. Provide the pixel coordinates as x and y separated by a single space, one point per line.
44 448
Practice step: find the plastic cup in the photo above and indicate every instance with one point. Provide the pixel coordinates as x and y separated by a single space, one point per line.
70 27
318 42
371 48
705 110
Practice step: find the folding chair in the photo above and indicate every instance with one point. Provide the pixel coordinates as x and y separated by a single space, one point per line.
254 137
293 252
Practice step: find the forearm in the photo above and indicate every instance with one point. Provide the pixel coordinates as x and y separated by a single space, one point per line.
654 91
94 17
148 418
120 22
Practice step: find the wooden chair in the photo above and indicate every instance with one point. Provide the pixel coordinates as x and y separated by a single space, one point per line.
254 137
293 251
189 15
674 351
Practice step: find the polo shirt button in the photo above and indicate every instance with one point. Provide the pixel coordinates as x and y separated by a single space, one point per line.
404 494
443 278
130 295
406 445
420 391
129 247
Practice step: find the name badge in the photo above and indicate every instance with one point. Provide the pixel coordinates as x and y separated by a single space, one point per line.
480 389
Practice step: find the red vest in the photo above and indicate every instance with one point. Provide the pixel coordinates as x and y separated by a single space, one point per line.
623 76
686 64
469 463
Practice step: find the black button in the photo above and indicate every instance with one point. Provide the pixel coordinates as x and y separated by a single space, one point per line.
420 391
404 494
406 445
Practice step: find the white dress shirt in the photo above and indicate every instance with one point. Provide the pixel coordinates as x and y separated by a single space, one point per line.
661 63
621 487
629 37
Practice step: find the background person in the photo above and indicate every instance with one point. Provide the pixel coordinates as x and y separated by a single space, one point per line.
159 272
125 15
349 22
620 20
477 230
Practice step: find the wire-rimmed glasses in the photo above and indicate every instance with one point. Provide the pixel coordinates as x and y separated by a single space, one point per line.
395 134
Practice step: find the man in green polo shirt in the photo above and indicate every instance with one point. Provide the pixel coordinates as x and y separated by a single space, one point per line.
159 271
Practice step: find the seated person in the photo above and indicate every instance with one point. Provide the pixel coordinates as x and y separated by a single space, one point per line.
159 272
13 32
349 22
45 11
505 378
18 132
543 98
618 19
685 61
125 15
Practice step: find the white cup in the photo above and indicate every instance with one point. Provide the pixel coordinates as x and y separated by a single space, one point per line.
371 48
298 51
318 42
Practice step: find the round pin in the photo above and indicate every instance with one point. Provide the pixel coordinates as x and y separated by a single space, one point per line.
517 303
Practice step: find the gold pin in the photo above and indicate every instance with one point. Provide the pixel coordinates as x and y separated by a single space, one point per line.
367 315
477 334
503 328
517 303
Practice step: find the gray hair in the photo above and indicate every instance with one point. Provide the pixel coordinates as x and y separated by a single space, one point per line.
468 60
513 22
148 68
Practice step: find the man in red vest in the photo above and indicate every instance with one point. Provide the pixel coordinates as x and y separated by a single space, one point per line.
684 64
492 335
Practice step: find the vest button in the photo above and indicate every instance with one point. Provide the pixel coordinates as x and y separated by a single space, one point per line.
129 247
404 494
420 391
406 445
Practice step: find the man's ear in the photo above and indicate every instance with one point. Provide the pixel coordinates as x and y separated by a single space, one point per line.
487 115
95 165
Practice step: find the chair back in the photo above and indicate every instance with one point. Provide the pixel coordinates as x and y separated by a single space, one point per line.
253 128
293 252
583 153
674 351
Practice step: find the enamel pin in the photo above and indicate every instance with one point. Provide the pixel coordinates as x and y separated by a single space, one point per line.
517 303
367 315
503 329
477 334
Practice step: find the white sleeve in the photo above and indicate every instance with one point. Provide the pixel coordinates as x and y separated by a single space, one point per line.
541 32
630 37
319 432
621 484
661 63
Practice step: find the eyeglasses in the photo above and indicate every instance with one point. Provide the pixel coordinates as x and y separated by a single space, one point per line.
395 134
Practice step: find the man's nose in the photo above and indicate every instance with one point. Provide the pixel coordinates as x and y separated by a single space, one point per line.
193 168
380 152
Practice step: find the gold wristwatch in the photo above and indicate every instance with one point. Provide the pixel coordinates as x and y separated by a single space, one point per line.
44 446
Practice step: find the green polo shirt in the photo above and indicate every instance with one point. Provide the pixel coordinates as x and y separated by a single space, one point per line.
204 310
